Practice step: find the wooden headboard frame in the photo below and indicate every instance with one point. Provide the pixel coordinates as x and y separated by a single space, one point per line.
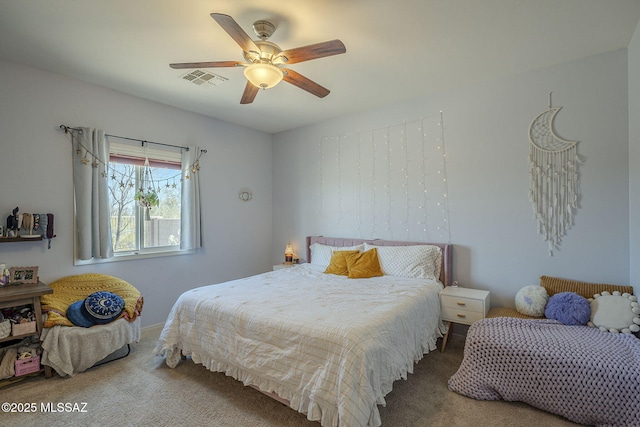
446 273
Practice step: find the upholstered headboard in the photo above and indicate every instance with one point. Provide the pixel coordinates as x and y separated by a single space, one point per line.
446 273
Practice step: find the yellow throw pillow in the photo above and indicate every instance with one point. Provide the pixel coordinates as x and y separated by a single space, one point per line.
364 265
338 263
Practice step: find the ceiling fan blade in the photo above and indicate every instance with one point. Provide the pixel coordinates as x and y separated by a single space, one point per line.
236 32
304 83
249 94
214 64
314 51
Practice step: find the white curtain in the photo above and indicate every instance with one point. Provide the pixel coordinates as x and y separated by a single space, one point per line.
92 194
190 229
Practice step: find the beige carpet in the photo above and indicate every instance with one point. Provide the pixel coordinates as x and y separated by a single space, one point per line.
140 390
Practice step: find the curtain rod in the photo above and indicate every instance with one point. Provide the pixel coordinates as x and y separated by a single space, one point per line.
142 141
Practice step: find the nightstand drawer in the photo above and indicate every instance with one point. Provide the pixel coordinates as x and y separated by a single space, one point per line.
457 315
462 303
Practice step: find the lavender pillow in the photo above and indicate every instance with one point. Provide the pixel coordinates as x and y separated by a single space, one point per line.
568 308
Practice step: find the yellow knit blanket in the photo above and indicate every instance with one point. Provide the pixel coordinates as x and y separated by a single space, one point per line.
74 288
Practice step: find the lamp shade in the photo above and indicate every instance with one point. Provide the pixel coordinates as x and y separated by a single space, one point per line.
288 253
264 76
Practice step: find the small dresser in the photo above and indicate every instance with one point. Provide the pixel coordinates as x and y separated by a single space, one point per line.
462 305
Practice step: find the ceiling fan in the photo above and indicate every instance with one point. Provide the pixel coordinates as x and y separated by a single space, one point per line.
265 60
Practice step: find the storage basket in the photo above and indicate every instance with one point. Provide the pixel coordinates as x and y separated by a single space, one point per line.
27 366
23 328
5 328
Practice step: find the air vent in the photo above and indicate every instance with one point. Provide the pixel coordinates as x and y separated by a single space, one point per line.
203 78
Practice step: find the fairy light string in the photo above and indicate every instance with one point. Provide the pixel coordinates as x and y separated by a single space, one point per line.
124 180
405 183
320 172
445 185
423 183
387 189
339 176
400 177
359 184
374 225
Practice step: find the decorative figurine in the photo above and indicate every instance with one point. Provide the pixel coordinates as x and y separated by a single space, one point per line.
12 223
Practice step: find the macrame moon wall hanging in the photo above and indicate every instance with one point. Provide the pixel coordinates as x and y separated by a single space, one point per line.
554 187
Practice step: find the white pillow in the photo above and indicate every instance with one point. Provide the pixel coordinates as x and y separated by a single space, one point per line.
417 261
615 312
321 254
532 300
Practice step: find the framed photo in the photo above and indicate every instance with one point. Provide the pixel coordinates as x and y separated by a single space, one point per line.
23 275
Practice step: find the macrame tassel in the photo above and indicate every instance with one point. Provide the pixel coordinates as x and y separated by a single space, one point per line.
553 179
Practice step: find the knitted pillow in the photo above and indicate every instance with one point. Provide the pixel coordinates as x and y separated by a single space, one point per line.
531 300
568 308
615 312
553 285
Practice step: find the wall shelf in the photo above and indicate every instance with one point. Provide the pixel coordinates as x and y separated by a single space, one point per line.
20 239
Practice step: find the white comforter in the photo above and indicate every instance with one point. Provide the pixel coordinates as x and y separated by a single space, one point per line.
330 345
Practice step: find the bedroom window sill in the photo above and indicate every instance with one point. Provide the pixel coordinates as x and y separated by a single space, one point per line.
134 256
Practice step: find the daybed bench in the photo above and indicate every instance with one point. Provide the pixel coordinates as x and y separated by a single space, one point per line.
582 373
71 349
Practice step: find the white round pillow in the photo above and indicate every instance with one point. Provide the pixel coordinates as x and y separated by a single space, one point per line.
615 312
531 300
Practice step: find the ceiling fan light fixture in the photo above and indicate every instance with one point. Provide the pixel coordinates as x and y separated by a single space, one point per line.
263 59
262 75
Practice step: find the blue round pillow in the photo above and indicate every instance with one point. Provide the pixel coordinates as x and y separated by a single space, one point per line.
74 314
568 308
98 308
102 307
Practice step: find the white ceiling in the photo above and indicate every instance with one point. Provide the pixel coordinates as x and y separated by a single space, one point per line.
396 50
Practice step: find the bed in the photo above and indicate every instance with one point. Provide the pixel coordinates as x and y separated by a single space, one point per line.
586 374
327 345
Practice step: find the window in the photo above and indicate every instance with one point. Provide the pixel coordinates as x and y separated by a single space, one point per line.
136 228
108 175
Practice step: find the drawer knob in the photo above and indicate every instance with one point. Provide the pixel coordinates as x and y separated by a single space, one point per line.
461 303
462 315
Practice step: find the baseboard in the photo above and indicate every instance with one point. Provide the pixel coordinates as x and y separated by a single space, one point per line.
152 327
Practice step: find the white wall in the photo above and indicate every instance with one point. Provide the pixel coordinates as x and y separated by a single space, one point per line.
496 243
634 158
35 174
497 247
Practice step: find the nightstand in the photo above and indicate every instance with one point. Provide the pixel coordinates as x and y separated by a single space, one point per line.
462 305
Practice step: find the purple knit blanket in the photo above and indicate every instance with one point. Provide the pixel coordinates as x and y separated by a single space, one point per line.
581 373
